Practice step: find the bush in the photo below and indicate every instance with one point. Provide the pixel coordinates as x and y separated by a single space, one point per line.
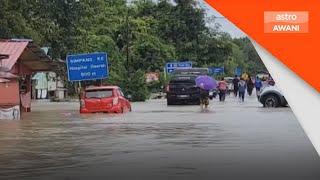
136 86
154 86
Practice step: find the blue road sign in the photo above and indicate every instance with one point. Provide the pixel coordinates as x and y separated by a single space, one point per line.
92 66
238 71
171 66
217 70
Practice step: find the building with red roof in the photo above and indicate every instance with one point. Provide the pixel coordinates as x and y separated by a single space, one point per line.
19 59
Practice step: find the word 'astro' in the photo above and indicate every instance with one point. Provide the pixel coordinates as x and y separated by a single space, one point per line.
286 22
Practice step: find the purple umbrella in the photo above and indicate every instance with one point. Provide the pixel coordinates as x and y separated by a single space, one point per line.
206 82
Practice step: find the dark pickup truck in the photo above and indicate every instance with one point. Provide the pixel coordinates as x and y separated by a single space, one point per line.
182 89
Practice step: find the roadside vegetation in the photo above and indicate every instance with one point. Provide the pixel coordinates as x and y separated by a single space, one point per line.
139 37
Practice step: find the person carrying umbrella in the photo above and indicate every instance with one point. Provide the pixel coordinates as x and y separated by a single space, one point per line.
204 97
205 83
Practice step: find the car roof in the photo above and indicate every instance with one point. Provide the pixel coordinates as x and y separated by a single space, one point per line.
101 87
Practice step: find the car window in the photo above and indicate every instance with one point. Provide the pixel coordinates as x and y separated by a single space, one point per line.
183 80
99 93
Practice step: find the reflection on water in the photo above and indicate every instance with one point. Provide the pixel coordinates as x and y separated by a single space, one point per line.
156 141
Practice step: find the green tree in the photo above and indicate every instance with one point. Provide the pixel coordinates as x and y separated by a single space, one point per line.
136 86
14 20
252 61
140 37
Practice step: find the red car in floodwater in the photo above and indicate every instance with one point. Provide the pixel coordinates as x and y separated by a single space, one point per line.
109 99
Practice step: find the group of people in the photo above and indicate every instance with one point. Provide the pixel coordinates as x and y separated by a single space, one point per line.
242 85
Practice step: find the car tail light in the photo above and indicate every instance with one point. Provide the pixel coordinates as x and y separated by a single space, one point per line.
115 101
82 103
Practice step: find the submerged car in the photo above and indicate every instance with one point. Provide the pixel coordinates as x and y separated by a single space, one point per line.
107 99
271 96
182 89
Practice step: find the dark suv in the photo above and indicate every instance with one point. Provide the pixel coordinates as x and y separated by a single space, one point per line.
182 89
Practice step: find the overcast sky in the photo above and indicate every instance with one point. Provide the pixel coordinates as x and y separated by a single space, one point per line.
226 25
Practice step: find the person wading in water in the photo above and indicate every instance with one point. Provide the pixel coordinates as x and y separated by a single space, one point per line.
235 83
204 97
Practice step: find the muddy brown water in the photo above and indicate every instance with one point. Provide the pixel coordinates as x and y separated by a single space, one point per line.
231 140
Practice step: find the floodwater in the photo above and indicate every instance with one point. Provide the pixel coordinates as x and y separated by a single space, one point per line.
231 140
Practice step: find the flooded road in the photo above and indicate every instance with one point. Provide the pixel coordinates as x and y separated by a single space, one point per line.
232 140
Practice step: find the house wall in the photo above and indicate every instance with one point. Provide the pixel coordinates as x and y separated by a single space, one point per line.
9 94
13 95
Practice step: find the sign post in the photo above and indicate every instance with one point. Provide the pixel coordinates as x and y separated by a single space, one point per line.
171 66
238 71
83 67
217 70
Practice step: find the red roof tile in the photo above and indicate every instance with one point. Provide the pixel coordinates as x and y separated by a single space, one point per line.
14 50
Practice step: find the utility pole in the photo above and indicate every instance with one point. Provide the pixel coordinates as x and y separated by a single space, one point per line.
127 50
127 41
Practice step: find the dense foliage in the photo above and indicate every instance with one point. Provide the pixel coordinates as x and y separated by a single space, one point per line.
139 37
